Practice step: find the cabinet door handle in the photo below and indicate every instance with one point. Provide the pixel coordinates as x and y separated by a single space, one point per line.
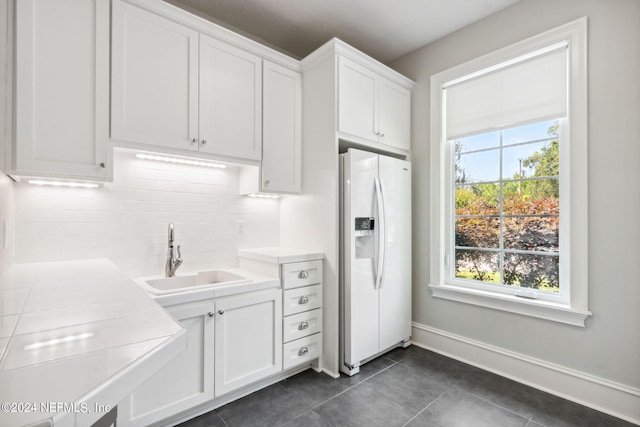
220 312
194 141
266 182
303 300
102 165
303 274
381 135
204 142
304 350
211 314
303 325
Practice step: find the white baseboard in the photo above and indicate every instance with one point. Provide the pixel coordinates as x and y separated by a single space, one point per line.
331 373
610 397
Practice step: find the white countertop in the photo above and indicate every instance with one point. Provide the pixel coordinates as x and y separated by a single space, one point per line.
74 335
280 255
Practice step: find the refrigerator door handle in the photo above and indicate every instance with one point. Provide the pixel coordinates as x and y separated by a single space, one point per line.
381 233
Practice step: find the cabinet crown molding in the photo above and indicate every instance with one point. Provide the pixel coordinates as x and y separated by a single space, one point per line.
335 46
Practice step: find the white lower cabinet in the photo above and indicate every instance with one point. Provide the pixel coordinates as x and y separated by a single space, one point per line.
186 381
303 350
248 339
302 324
302 299
301 279
232 342
302 311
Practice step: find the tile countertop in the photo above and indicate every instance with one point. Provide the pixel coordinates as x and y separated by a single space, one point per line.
280 255
76 338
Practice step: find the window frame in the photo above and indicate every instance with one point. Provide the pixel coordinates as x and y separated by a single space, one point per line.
573 308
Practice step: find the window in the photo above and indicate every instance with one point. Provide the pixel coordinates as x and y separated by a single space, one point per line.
506 210
509 195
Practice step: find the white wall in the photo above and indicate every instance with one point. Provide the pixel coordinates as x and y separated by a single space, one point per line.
7 211
609 347
7 214
126 221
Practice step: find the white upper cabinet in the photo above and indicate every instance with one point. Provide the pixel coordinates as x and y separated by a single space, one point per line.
155 79
281 132
230 100
357 100
372 107
62 89
175 87
394 114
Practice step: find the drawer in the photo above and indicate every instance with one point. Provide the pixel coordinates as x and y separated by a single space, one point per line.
296 274
301 299
302 324
302 350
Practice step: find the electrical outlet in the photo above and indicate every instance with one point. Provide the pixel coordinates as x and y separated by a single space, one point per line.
241 229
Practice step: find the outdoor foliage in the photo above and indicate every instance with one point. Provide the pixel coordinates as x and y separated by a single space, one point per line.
530 222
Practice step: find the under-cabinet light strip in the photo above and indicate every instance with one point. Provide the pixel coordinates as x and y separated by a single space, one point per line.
180 160
63 183
264 196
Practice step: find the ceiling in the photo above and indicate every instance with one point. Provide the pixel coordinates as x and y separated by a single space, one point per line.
384 29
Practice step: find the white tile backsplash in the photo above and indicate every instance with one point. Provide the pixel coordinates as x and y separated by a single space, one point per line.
126 221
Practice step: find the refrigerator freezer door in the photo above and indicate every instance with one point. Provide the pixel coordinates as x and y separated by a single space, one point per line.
360 298
395 287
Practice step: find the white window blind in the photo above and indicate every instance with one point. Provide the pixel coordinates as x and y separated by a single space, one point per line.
528 89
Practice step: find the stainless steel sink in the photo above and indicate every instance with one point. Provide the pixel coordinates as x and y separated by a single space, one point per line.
167 285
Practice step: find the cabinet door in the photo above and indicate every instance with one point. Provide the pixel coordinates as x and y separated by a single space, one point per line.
230 100
394 114
62 88
281 131
155 79
187 380
357 99
248 339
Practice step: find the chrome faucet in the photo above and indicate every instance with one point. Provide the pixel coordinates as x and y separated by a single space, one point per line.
172 262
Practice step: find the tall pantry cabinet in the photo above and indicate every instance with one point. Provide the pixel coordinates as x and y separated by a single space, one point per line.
350 100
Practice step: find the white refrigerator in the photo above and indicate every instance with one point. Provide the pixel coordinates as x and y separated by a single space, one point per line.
375 267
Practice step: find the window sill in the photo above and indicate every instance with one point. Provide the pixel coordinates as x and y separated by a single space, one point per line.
534 308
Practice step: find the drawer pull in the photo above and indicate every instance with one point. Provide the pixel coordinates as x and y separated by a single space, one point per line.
304 350
303 300
303 274
303 325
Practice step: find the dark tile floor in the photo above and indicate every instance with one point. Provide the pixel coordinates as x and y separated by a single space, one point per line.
406 387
